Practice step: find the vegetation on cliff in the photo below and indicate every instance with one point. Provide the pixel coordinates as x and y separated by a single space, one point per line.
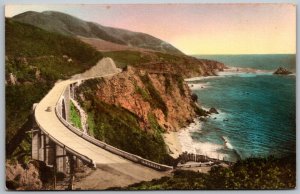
120 127
75 116
35 60
131 110
154 98
159 62
252 173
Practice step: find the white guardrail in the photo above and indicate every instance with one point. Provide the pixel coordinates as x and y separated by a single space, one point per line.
68 149
110 148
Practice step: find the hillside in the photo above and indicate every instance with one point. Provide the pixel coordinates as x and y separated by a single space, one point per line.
131 110
158 62
35 59
103 45
68 25
123 46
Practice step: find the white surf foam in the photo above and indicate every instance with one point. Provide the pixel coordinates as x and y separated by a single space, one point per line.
227 142
198 86
203 148
221 116
243 72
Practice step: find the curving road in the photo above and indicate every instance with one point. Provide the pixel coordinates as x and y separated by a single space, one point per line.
112 170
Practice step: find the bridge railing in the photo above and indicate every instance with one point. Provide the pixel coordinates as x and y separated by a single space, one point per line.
68 149
112 149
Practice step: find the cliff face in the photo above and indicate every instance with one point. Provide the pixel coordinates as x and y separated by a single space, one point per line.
152 97
185 66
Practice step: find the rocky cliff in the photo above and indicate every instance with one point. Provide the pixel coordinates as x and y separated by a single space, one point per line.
184 65
153 97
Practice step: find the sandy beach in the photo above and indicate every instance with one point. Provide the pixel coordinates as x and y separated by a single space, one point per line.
172 141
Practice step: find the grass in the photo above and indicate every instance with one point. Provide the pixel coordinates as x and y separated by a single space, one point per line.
154 124
124 58
137 58
143 93
75 116
155 99
180 82
91 124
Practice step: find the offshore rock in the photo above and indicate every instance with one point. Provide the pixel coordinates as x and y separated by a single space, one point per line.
213 110
282 71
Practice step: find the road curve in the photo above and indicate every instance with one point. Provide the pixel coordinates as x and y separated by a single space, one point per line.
115 170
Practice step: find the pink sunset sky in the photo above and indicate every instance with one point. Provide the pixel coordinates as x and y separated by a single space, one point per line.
196 28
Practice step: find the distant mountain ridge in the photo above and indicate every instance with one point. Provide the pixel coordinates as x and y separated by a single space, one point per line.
69 25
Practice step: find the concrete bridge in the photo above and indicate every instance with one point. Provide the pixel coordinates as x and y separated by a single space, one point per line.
64 147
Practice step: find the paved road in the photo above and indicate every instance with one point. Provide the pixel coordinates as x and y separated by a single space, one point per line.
115 170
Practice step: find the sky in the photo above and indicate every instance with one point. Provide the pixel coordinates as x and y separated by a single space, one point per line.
195 28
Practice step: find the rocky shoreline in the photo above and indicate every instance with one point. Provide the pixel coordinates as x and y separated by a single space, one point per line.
175 144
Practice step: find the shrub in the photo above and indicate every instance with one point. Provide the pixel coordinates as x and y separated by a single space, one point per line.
75 116
156 101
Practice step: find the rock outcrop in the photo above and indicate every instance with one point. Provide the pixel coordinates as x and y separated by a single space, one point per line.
105 66
185 66
12 79
22 177
213 110
282 71
164 96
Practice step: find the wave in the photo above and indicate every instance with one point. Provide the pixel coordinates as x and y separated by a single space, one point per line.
200 78
198 86
202 148
227 143
243 72
222 116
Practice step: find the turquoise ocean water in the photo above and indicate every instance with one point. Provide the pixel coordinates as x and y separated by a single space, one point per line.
257 111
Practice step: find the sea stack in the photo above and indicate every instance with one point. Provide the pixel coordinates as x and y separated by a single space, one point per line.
213 110
282 71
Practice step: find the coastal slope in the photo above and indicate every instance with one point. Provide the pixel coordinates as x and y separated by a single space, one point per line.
71 26
135 107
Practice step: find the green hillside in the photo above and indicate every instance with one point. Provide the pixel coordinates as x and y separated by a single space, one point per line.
68 25
34 60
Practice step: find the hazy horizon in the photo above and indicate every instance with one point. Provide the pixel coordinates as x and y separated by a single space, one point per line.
208 29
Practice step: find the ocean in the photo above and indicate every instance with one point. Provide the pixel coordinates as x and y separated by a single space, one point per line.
257 111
